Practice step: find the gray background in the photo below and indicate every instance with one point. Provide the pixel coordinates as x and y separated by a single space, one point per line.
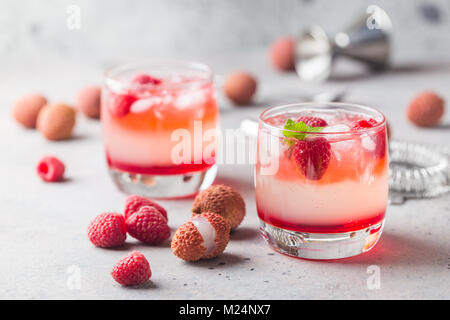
117 29
43 226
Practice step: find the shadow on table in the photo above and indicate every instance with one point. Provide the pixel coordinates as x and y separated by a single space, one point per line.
441 126
224 261
149 285
396 250
244 234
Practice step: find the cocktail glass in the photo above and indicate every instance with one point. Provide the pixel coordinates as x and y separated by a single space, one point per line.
159 122
321 179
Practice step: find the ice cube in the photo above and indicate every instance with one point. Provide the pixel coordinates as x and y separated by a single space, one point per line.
190 99
340 148
144 104
368 143
336 128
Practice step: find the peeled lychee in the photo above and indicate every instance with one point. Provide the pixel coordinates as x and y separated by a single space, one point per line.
27 108
88 101
56 121
204 236
240 87
282 53
223 200
426 109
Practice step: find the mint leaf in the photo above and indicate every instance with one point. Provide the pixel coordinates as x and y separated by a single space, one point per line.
300 128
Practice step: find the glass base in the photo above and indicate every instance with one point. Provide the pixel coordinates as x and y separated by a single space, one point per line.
321 246
163 186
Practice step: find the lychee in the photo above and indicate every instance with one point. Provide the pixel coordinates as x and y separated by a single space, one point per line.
223 200
282 53
56 121
426 109
27 108
88 101
240 87
204 236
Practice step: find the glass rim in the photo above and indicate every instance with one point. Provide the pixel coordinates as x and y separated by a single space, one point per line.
323 105
110 76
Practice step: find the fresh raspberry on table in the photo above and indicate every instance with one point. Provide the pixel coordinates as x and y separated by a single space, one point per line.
312 157
145 79
50 169
312 121
132 270
134 202
148 225
107 230
121 104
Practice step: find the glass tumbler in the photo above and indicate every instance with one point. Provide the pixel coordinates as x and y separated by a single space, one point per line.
159 126
321 179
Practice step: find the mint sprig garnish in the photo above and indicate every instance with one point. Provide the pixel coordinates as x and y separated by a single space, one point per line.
298 130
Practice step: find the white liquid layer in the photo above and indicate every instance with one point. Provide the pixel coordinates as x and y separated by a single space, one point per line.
144 148
331 204
207 231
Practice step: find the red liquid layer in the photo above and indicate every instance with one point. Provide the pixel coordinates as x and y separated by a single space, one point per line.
161 170
352 225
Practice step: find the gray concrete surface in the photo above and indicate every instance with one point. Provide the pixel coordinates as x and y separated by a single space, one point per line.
43 226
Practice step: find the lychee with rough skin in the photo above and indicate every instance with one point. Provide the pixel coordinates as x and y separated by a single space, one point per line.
426 109
282 53
56 121
204 236
223 200
240 87
88 101
26 109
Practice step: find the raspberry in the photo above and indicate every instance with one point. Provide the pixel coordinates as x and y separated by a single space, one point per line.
363 124
312 157
121 104
133 203
148 225
131 270
312 121
50 169
107 230
145 78
379 138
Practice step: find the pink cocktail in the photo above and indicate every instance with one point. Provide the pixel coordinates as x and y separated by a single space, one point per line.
322 179
160 127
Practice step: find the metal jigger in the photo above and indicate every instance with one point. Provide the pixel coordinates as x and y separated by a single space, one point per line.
367 41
